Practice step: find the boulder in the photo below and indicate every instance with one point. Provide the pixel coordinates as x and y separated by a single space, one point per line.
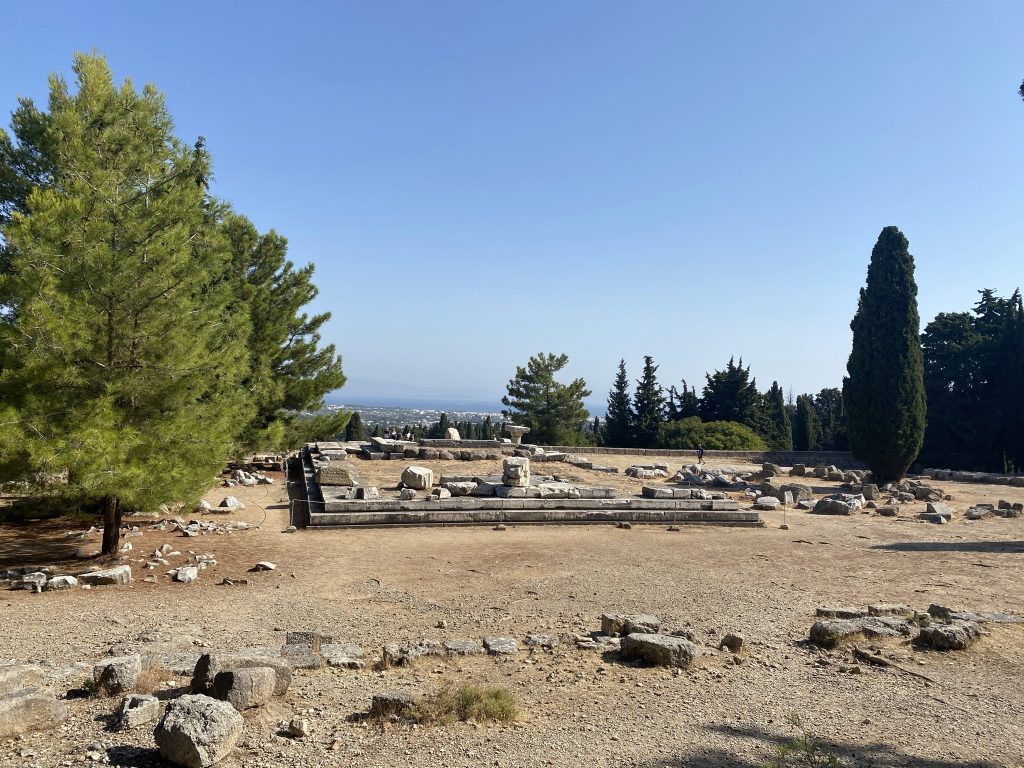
61 582
33 582
337 473
210 664
613 624
245 688
29 709
659 650
955 636
830 506
230 502
187 574
197 731
870 491
117 674
733 642
798 470
501 646
419 478
137 709
121 574
831 632
452 434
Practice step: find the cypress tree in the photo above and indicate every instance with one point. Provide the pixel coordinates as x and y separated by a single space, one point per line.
123 358
648 406
354 429
777 431
618 420
884 394
805 425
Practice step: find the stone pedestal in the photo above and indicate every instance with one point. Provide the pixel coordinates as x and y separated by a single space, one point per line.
516 432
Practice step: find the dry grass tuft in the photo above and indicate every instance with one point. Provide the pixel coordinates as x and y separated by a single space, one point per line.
152 678
480 704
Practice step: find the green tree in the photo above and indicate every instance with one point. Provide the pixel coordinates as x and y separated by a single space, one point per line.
618 421
731 395
884 393
828 407
354 430
777 430
683 404
648 411
806 428
553 411
123 359
690 432
289 372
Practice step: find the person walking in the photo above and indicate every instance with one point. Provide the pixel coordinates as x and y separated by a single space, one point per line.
700 453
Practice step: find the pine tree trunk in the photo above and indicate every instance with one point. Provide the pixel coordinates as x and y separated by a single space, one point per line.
111 525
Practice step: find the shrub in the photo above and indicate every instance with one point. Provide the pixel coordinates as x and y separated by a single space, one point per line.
467 702
713 435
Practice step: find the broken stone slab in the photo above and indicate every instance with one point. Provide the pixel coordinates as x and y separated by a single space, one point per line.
830 632
484 488
342 655
936 508
956 636
14 677
210 664
461 488
659 650
301 656
436 494
832 506
933 518
245 688
121 574
841 613
643 623
535 640
391 703
29 709
337 473
890 609
198 731
137 709
501 646
419 478
767 503
516 472
117 674
396 655
886 510
463 647
407 494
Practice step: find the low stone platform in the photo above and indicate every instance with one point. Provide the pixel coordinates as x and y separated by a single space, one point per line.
470 511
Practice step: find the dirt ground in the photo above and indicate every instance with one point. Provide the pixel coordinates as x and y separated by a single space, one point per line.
372 587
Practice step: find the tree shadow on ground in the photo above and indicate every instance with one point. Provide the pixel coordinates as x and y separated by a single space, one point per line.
994 547
870 755
37 542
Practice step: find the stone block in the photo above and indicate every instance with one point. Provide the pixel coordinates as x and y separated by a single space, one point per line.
198 731
117 674
30 709
420 478
137 709
337 473
121 574
658 650
210 664
245 688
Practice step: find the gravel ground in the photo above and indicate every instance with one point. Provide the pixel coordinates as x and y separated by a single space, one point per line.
373 587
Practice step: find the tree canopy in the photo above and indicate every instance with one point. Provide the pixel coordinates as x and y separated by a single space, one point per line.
553 411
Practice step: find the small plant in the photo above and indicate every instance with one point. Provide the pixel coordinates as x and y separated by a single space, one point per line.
152 678
803 751
467 702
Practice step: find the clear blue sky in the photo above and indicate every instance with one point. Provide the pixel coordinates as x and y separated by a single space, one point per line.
480 181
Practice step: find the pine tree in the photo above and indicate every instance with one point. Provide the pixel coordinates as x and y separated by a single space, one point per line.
648 410
682 404
884 394
618 420
124 360
288 371
553 411
777 431
805 425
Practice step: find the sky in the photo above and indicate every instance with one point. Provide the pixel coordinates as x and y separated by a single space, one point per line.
477 182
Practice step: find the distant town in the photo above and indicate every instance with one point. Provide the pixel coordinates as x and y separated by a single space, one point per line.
397 416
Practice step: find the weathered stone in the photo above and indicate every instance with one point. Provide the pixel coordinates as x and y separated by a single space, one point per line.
501 646
121 574
890 609
14 677
420 478
613 624
887 510
955 636
29 709
881 627
298 727
198 731
137 709
642 623
245 688
516 432
301 656
117 674
936 508
870 491
230 502
395 655
61 582
516 472
187 574
841 613
660 650
534 640
831 632
407 494
463 647
798 470
337 473
33 582
767 503
366 492
461 488
440 493
452 434
829 506
342 655
304 637
733 642
265 565
210 664
391 703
